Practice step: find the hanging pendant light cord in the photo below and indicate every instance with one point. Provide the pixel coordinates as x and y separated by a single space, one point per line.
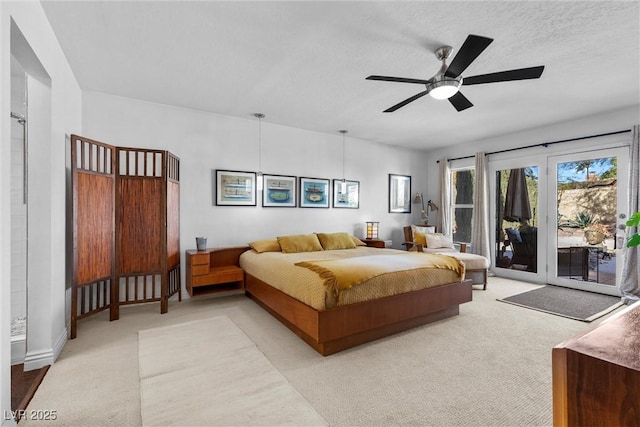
260 116
260 144
259 182
343 157
343 132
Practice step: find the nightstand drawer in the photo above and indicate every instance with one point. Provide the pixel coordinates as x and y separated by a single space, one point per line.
214 276
199 270
200 259
227 274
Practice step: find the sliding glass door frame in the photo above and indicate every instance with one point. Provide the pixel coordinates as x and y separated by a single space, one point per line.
622 155
514 163
546 271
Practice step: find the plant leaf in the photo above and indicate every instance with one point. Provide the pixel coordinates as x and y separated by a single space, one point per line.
634 220
634 240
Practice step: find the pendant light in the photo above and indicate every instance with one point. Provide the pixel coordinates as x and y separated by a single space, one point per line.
259 182
343 184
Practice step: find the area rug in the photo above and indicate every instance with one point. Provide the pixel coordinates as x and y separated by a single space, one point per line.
566 302
208 372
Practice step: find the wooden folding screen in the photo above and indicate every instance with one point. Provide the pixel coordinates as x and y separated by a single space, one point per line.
93 186
147 226
126 207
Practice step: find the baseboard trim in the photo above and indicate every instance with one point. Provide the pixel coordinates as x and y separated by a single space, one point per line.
61 341
18 349
47 357
38 360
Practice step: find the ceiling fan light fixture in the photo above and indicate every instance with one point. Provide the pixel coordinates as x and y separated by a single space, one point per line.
447 81
444 88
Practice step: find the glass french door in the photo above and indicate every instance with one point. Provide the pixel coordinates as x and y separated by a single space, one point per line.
587 206
517 210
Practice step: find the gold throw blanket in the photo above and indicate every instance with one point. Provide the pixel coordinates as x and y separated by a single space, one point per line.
341 274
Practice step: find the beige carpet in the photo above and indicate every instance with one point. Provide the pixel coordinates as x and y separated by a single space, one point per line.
489 366
208 372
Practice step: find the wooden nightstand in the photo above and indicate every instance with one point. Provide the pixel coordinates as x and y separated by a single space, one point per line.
374 243
214 270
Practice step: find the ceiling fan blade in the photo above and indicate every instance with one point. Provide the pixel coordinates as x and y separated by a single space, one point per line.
460 102
505 76
470 50
405 102
398 79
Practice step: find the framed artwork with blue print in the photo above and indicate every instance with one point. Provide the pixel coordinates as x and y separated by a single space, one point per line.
279 191
314 192
235 188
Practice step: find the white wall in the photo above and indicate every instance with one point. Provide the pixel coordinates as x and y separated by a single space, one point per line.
614 121
65 98
205 142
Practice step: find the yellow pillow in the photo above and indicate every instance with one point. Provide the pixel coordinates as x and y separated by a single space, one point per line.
336 241
299 243
270 245
357 241
420 238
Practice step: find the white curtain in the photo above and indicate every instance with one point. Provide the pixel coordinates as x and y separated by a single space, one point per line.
444 213
630 280
480 222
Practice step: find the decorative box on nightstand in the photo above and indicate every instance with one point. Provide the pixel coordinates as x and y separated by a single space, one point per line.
214 270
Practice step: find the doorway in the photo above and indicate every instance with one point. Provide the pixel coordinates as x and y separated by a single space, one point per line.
18 186
33 294
590 207
557 218
517 208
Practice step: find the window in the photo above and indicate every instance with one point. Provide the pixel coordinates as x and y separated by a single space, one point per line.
462 182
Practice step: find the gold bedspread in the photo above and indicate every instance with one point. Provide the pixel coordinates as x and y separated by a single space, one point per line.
342 274
279 270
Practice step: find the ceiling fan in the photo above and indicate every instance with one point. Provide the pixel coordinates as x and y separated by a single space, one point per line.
445 84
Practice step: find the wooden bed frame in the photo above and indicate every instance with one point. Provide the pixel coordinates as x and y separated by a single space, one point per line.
332 330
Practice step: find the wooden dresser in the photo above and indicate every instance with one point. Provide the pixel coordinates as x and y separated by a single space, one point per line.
214 270
596 374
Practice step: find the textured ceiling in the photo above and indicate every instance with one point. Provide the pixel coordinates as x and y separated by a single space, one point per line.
304 63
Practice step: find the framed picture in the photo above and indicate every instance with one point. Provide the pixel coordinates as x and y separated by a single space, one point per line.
399 193
279 191
314 193
235 188
347 194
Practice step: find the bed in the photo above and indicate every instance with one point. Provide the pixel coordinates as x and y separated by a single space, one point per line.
304 290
